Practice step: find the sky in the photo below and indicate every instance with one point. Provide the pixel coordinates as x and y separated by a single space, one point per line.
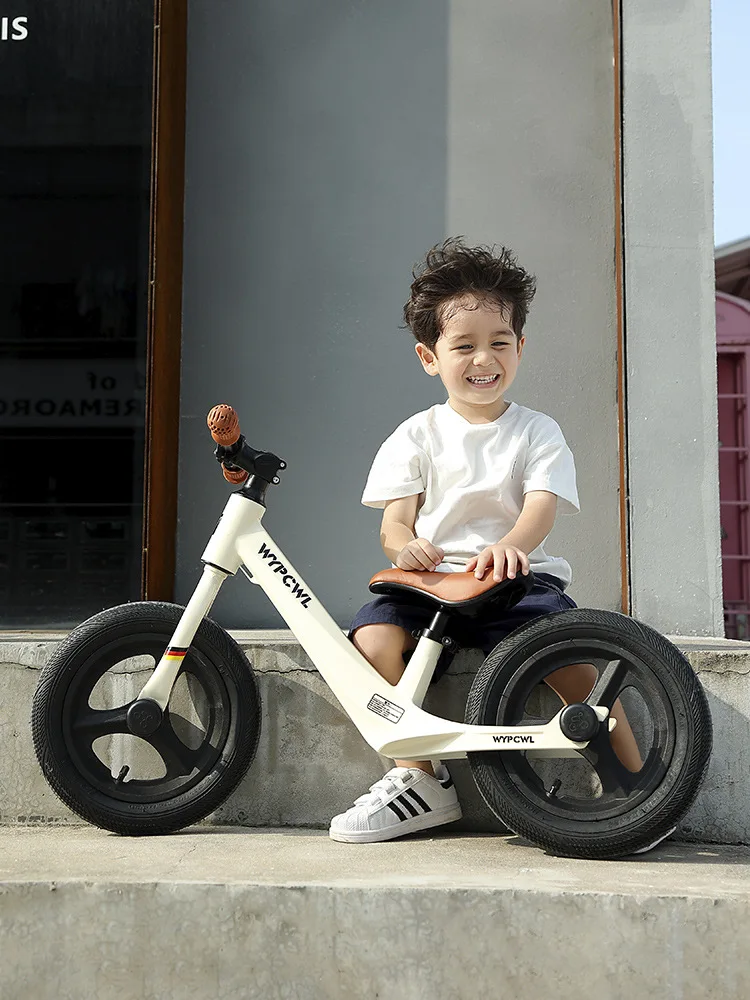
731 99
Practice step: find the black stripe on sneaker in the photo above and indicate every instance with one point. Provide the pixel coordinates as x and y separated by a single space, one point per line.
395 808
402 799
418 799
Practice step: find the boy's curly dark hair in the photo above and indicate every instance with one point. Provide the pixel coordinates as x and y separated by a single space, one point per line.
450 270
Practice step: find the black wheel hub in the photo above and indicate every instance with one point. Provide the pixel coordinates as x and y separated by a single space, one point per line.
579 723
144 717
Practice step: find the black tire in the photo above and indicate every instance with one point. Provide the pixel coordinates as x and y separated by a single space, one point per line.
627 812
203 760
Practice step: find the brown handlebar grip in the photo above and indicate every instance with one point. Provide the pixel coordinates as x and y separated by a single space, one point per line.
234 475
224 425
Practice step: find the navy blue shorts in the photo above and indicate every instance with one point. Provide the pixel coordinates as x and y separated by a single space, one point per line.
482 632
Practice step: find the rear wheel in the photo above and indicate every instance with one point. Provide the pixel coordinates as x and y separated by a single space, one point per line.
592 806
172 777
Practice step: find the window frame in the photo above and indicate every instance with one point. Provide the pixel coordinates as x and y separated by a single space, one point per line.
165 300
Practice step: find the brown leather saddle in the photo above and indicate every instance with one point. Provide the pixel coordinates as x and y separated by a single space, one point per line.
457 593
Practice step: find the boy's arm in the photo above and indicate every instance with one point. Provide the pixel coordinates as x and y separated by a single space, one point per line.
535 521
399 542
533 525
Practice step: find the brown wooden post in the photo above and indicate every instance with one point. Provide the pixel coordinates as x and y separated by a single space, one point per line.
165 299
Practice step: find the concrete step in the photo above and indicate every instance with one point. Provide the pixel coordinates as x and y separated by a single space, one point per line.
220 913
312 762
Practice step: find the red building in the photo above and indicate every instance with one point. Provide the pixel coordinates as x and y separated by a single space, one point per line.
733 366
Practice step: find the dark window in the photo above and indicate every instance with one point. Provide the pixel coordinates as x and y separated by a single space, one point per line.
75 163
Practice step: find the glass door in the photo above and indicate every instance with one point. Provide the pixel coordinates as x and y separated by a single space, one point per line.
76 97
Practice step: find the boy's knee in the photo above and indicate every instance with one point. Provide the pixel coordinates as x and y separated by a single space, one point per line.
573 683
381 639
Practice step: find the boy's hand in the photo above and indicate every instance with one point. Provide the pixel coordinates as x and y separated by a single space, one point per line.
504 560
419 554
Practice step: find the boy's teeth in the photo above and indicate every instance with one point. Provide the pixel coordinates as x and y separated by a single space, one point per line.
482 378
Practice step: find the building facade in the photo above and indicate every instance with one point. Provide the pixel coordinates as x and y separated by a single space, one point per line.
326 147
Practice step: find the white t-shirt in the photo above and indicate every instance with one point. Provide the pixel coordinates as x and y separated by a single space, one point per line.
474 477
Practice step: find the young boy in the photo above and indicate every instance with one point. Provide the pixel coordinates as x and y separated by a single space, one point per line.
470 485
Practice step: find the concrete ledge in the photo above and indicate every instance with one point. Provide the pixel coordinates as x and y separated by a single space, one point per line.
312 763
226 913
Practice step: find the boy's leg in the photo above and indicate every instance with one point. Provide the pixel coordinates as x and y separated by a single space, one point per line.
574 684
412 796
384 645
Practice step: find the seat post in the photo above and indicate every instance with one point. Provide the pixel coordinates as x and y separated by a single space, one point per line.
432 646
438 627
437 631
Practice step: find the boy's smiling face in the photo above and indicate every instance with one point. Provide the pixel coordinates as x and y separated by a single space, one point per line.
476 356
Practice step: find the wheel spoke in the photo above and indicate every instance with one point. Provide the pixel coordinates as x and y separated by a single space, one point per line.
96 723
610 683
178 759
187 731
613 774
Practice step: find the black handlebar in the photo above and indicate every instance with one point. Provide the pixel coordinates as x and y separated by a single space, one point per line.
240 463
262 464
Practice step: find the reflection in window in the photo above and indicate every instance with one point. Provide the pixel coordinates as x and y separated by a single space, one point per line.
75 153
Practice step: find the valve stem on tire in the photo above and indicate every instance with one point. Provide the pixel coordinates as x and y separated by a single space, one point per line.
121 776
553 789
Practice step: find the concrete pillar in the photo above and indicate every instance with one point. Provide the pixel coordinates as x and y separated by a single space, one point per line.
670 351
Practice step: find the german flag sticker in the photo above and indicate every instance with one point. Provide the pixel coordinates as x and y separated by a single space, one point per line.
175 653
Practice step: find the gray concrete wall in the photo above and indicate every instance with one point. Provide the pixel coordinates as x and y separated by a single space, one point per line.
670 317
316 174
531 162
328 145
311 761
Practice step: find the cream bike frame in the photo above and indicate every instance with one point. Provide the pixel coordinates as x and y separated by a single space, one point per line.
390 718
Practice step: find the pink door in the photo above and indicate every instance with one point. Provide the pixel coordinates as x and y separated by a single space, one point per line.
733 365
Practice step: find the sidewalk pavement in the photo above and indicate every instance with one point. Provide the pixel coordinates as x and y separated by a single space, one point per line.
249 914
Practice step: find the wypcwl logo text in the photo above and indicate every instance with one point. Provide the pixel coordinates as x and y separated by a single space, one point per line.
287 579
513 739
13 29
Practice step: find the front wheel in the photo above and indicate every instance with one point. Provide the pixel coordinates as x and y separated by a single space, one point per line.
592 806
178 774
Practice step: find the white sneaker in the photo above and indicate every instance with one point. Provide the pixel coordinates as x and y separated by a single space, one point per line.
405 800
